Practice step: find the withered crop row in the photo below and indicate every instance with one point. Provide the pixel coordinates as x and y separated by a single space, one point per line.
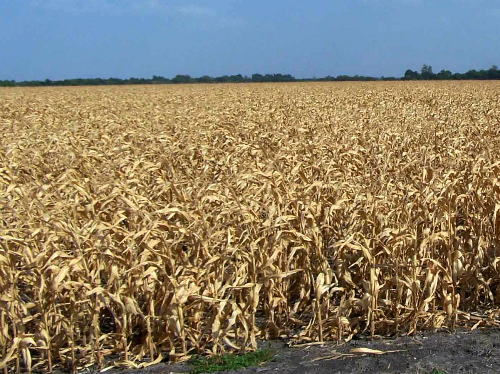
140 222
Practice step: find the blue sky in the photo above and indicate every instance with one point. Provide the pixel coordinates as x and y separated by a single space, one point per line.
59 39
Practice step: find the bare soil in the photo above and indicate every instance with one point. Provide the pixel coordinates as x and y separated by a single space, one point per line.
460 352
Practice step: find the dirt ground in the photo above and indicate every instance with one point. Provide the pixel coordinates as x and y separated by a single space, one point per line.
460 352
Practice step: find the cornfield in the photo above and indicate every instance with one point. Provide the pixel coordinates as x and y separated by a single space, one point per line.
152 222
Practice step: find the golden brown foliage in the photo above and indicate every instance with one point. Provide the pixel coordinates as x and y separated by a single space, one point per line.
137 221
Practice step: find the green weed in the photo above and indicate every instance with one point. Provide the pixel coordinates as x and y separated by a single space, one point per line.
230 361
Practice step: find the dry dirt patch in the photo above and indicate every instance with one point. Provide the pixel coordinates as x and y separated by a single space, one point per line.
452 353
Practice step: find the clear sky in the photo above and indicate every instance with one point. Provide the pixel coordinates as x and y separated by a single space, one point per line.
59 39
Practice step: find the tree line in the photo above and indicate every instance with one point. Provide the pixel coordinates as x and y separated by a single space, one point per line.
425 73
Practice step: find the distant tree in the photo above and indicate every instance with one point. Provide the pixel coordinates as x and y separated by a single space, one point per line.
182 79
257 78
115 81
444 75
494 73
411 75
158 79
343 78
426 72
7 83
205 79
267 78
328 78
471 74
223 79
236 78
